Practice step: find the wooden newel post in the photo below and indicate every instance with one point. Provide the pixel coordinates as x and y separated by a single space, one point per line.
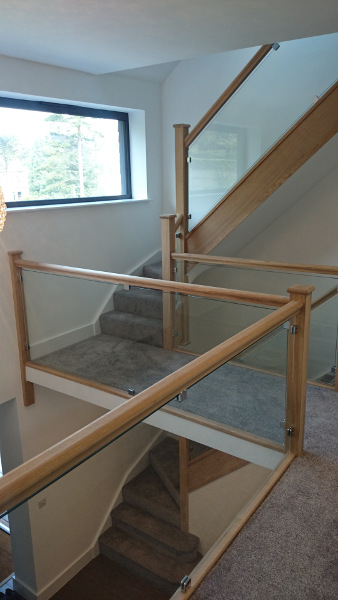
21 326
181 173
168 247
298 353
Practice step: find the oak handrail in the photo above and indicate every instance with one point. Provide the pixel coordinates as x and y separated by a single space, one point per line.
27 479
259 264
156 284
325 297
231 89
178 221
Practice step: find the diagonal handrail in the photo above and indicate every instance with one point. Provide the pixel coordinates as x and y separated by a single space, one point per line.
228 93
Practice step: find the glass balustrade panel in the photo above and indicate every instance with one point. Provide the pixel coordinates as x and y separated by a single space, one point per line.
323 331
281 89
248 393
104 514
323 343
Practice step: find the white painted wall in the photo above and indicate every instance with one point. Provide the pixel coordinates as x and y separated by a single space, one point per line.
111 237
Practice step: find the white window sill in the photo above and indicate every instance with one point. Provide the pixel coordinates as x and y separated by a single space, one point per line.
19 209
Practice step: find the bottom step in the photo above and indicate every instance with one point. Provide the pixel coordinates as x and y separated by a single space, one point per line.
155 567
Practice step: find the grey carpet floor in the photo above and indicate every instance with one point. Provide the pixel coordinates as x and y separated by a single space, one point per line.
232 395
288 549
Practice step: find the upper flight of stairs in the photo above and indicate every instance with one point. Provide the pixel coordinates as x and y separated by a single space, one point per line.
137 313
145 536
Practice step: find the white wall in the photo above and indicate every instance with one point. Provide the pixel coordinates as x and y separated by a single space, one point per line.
112 237
188 92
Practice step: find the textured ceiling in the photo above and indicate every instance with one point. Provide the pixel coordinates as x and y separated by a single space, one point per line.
103 36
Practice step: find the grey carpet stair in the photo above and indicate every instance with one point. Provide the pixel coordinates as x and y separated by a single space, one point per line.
156 567
159 534
147 303
153 271
145 536
147 492
164 459
132 327
137 313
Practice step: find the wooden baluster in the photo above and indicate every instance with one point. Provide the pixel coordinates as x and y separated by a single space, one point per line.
168 247
181 174
298 350
21 326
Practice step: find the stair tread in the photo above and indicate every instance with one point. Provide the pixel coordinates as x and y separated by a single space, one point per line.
154 271
146 491
155 528
133 327
114 541
165 461
139 301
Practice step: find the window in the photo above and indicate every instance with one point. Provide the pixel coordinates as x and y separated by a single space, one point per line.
62 154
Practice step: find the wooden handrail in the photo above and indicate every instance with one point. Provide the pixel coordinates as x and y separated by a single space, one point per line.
178 221
157 284
258 264
233 87
38 472
325 297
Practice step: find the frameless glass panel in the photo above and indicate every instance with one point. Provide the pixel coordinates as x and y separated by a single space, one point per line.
323 342
267 104
134 523
203 323
267 281
245 393
323 331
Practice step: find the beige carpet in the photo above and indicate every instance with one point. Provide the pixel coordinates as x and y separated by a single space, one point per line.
6 564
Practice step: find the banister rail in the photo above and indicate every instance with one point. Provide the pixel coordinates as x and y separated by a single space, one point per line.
29 478
259 264
324 298
155 284
231 89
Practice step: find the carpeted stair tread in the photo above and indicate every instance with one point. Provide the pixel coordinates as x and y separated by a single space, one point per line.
132 327
139 301
147 492
161 535
153 271
164 458
140 558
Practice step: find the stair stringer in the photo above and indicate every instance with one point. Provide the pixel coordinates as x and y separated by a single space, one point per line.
314 129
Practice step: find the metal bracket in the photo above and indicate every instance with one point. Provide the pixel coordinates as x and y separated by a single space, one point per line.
27 347
293 329
185 583
189 216
334 369
175 333
182 396
131 391
188 159
290 431
275 46
178 235
175 269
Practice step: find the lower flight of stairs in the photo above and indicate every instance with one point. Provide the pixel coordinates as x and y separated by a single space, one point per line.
145 536
137 313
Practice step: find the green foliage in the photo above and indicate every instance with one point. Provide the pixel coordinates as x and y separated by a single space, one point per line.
63 163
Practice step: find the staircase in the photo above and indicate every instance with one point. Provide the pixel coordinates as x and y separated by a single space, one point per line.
145 536
137 313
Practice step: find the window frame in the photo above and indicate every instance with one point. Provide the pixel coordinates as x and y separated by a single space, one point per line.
75 109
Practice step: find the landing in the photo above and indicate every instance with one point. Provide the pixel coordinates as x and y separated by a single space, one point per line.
233 395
